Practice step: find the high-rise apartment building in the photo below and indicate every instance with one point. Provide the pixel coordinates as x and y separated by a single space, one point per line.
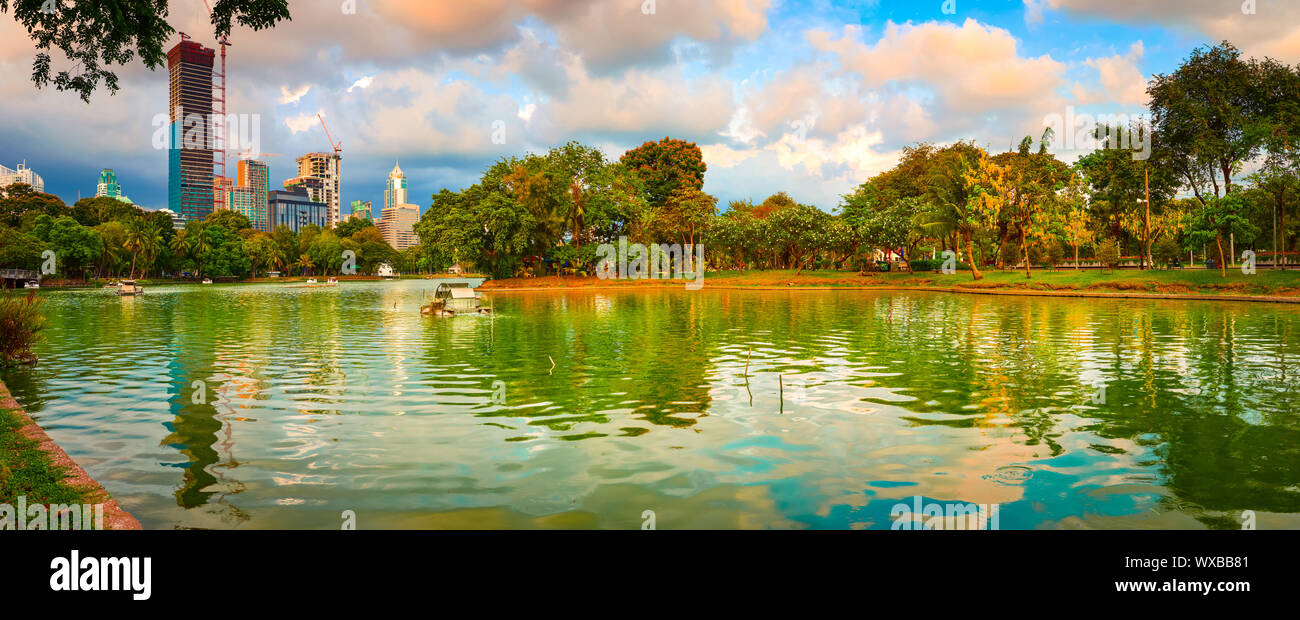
189 180
395 190
23 174
398 225
250 195
328 168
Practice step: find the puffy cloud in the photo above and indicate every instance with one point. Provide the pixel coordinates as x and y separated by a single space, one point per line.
973 66
1120 80
1272 29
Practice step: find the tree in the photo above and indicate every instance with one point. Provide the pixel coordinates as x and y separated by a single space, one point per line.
19 199
797 231
19 250
136 234
1019 188
666 166
1209 118
1166 250
96 34
229 219
1218 218
1282 185
74 245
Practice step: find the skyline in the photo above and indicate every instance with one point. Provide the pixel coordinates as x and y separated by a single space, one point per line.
857 83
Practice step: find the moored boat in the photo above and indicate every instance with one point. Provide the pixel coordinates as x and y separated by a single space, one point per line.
129 287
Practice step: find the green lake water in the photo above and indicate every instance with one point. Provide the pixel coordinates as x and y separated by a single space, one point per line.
1067 413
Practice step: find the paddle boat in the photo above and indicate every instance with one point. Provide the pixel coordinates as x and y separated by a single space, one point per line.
129 288
455 297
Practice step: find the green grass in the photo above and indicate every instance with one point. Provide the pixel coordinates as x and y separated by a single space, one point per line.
27 470
1189 281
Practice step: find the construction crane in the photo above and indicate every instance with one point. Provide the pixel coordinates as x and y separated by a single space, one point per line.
338 148
219 109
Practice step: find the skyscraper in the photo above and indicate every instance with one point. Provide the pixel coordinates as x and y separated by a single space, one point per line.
398 225
395 191
108 186
189 180
327 167
250 197
23 174
360 210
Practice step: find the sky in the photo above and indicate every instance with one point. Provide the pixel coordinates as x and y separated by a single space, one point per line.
810 97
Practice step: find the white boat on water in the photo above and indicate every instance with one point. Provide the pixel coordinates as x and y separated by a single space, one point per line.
311 280
333 280
32 285
129 287
207 280
451 298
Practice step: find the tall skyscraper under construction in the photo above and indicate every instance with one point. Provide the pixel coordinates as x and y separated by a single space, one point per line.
189 178
327 169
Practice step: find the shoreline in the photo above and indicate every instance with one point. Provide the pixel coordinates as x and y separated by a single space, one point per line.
115 517
514 285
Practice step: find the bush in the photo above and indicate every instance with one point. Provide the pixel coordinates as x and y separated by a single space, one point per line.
1108 254
21 322
934 264
1166 251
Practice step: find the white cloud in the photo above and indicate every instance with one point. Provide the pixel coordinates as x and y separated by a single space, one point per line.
363 82
293 96
301 122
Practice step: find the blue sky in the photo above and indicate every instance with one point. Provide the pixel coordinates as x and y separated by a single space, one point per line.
811 97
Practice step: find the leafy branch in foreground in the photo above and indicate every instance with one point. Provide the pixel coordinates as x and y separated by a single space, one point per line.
95 34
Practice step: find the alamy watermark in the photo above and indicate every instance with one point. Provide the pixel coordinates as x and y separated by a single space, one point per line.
1087 132
656 261
922 515
51 516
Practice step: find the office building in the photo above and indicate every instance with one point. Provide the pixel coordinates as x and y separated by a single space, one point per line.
23 174
327 168
108 186
190 179
395 190
397 225
295 208
360 209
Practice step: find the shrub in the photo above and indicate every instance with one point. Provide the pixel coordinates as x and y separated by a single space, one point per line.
934 264
1166 250
21 322
1108 254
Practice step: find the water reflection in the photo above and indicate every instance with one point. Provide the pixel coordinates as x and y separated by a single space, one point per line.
715 409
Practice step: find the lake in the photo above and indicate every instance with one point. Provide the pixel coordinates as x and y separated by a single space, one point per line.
264 406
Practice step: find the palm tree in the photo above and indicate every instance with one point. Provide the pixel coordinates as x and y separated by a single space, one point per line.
304 263
152 245
135 241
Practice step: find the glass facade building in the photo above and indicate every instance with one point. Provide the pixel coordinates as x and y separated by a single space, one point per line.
189 175
295 209
250 197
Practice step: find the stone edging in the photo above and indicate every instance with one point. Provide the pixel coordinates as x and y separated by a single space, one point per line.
115 518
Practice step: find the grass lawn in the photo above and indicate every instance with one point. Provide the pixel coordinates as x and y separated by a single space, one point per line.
27 470
1185 282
